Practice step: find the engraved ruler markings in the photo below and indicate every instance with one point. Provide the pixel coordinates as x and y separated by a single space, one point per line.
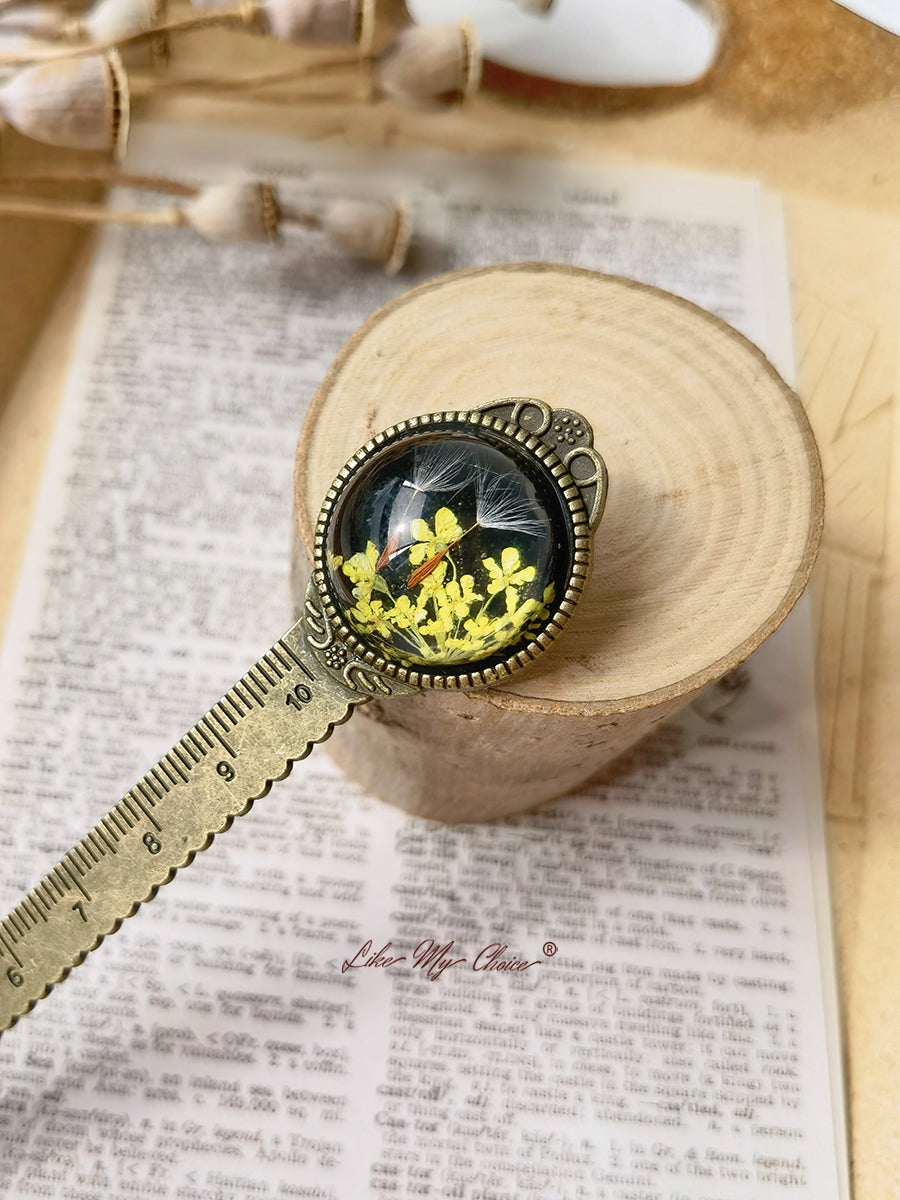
270 718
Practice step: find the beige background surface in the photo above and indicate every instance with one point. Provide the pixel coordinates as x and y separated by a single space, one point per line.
839 174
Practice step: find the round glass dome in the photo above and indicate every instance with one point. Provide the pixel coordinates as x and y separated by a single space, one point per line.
449 548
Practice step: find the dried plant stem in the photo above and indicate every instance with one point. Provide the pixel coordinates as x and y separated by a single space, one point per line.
244 13
87 214
99 174
299 216
274 99
143 86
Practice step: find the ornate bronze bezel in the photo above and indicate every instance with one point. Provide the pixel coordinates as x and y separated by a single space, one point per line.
561 441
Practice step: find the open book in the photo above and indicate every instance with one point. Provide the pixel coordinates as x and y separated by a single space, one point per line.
315 1008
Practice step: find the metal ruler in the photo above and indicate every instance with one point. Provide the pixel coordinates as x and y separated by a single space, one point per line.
307 683
269 719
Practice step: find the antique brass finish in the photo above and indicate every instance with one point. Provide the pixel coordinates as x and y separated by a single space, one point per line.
308 682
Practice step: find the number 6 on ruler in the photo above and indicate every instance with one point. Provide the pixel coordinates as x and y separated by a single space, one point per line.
450 552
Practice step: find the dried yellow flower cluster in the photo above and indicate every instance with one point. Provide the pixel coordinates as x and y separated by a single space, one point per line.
448 617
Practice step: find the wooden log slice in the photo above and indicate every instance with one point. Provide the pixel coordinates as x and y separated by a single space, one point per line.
710 532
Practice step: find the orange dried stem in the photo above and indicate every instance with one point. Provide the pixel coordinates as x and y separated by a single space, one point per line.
429 565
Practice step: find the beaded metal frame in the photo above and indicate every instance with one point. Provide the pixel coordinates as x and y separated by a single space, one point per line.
560 441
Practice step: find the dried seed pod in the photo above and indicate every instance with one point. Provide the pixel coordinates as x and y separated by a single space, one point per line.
234 212
376 230
113 20
316 22
245 12
535 6
430 66
336 22
80 102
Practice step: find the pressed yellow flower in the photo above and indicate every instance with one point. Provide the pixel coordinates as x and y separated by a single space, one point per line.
508 575
460 596
485 626
546 600
440 625
360 570
432 585
445 617
371 613
430 542
524 613
405 614
463 643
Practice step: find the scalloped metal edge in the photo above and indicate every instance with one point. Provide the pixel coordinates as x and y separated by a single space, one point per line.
173 871
570 494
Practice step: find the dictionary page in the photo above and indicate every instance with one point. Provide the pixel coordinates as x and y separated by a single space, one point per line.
629 994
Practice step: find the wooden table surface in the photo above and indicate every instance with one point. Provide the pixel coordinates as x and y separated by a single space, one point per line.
839 178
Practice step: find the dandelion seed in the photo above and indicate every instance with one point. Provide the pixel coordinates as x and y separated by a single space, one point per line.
436 469
440 468
501 505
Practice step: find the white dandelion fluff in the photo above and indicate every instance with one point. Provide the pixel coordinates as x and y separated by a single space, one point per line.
499 504
439 468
